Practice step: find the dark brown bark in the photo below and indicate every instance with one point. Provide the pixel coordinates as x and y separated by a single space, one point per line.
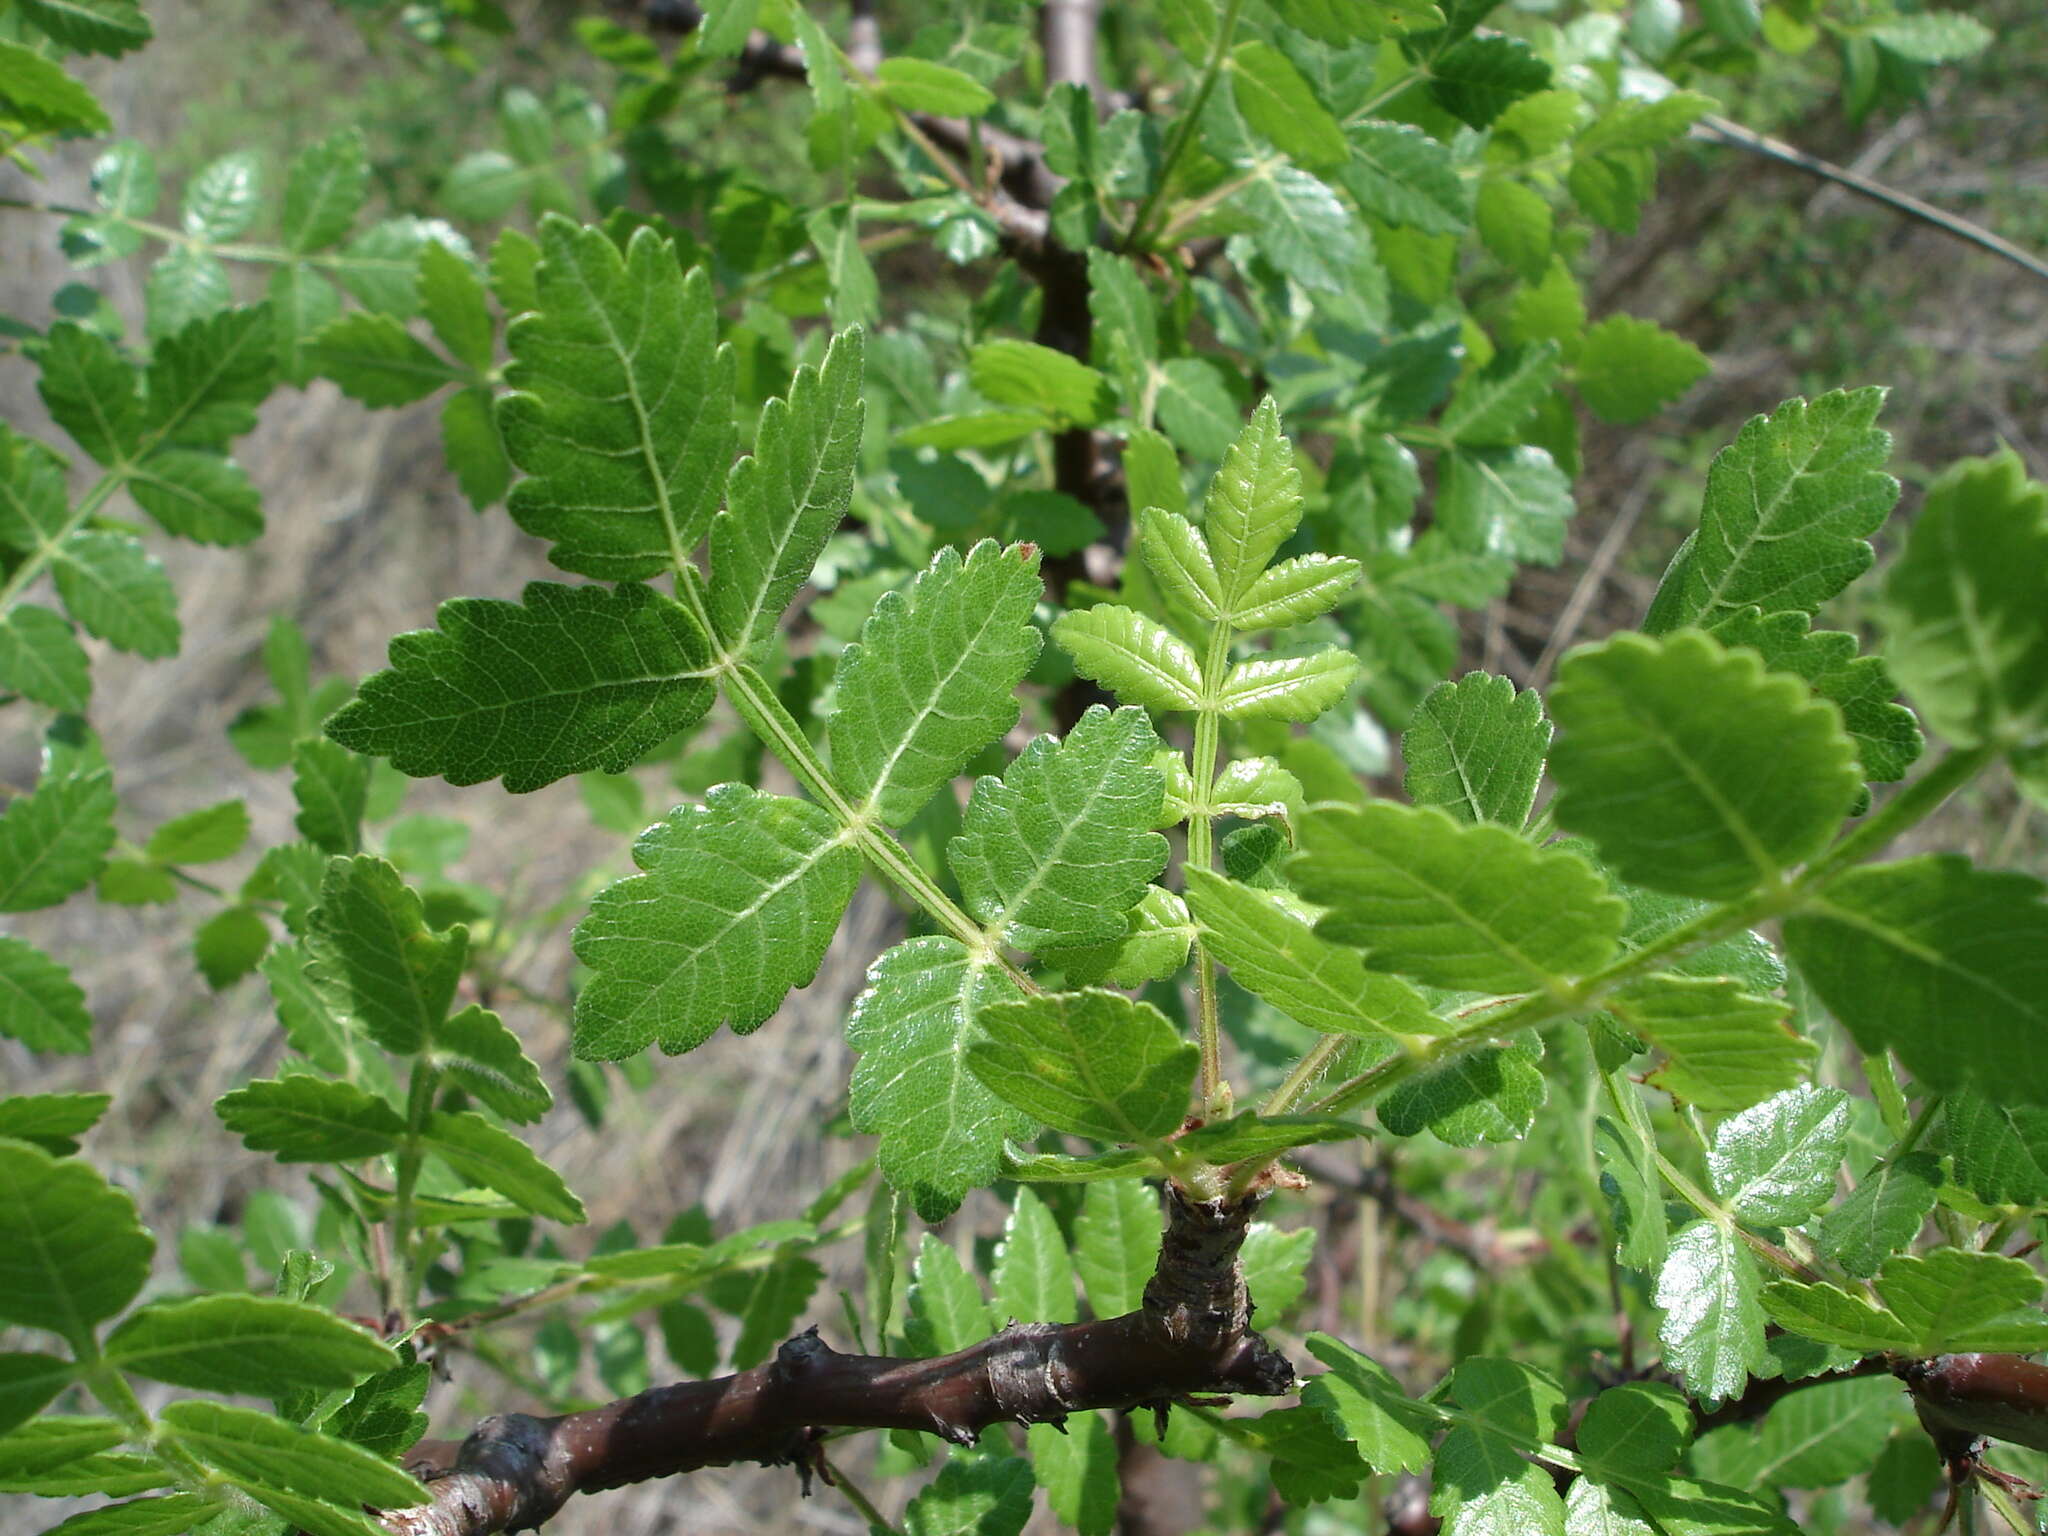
1192 1338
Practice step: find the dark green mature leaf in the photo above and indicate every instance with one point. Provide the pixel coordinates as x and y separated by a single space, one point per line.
567 680
1506 501
1485 1095
27 1382
786 497
1138 659
198 495
1278 103
1057 851
476 1051
1887 736
1479 78
72 1252
52 1121
1675 799
54 839
487 1155
452 298
1516 224
1788 508
1273 952
1943 963
203 836
91 391
931 681
90 26
1823 1435
310 1120
1639 1428
1956 1300
375 359
1831 1316
1472 907
1713 1327
1962 608
1246 1136
1301 226
1091 1063
1725 1047
325 189
619 492
255 1447
1629 369
1775 1163
1400 175
942 1131
739 899
257 1345
1999 1152
206 378
34 504
332 787
42 660
1882 1215
116 590
40 1005
1635 1193
1076 1464
376 958
984 1496
1391 1430
1475 747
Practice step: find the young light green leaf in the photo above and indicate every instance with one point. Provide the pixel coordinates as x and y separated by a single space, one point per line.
921 85
1637 1429
1823 1435
1467 907
1713 1327
567 680
1788 508
1942 963
476 1051
40 1005
931 681
1628 369
496 1159
1957 1300
1962 608
72 1252
739 899
620 492
324 190
942 1131
1476 747
1058 850
1724 1047
1882 1215
206 379
229 945
1390 1429
1076 1464
1278 103
1274 953
1136 658
375 359
314 1517
1034 1274
1516 224
116 590
1276 1266
1402 176
245 1344
310 1120
255 1447
1091 1063
1116 1244
474 448
1253 504
1831 1316
1676 800
203 836
947 1312
786 498
1031 377
1775 1163
376 958
1178 555
1294 592
69 1454
54 839
1283 687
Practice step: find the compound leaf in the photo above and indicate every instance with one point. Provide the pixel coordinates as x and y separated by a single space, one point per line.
567 680
739 899
1253 505
931 680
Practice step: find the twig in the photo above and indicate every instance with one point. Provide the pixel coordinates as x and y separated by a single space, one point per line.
1590 583
1715 129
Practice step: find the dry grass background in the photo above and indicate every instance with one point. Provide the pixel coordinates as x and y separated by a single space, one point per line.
366 533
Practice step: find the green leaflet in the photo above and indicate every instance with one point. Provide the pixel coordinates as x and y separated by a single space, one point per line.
1883 1214
332 787
375 359
206 379
567 680
1490 1094
376 958
1775 1163
1724 1047
1253 505
310 1120
245 1344
1675 798
1057 851
254 1447
1887 736
1713 1328
1273 952
1948 1301
1033 1272
1943 963
1629 369
90 391
1278 103
941 1130
1287 687
1962 607
1400 175
930 682
739 899
117 591
786 497
40 1005
1635 1193
1491 404
1468 907
1042 379
1116 1244
42 660
1091 1063
1505 501
325 190
1136 658
475 1049
620 493
1999 1152
1390 1430
1293 592
485 1154
983 1496
1788 508
72 1252
52 1121
1476 747
54 840
947 1311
